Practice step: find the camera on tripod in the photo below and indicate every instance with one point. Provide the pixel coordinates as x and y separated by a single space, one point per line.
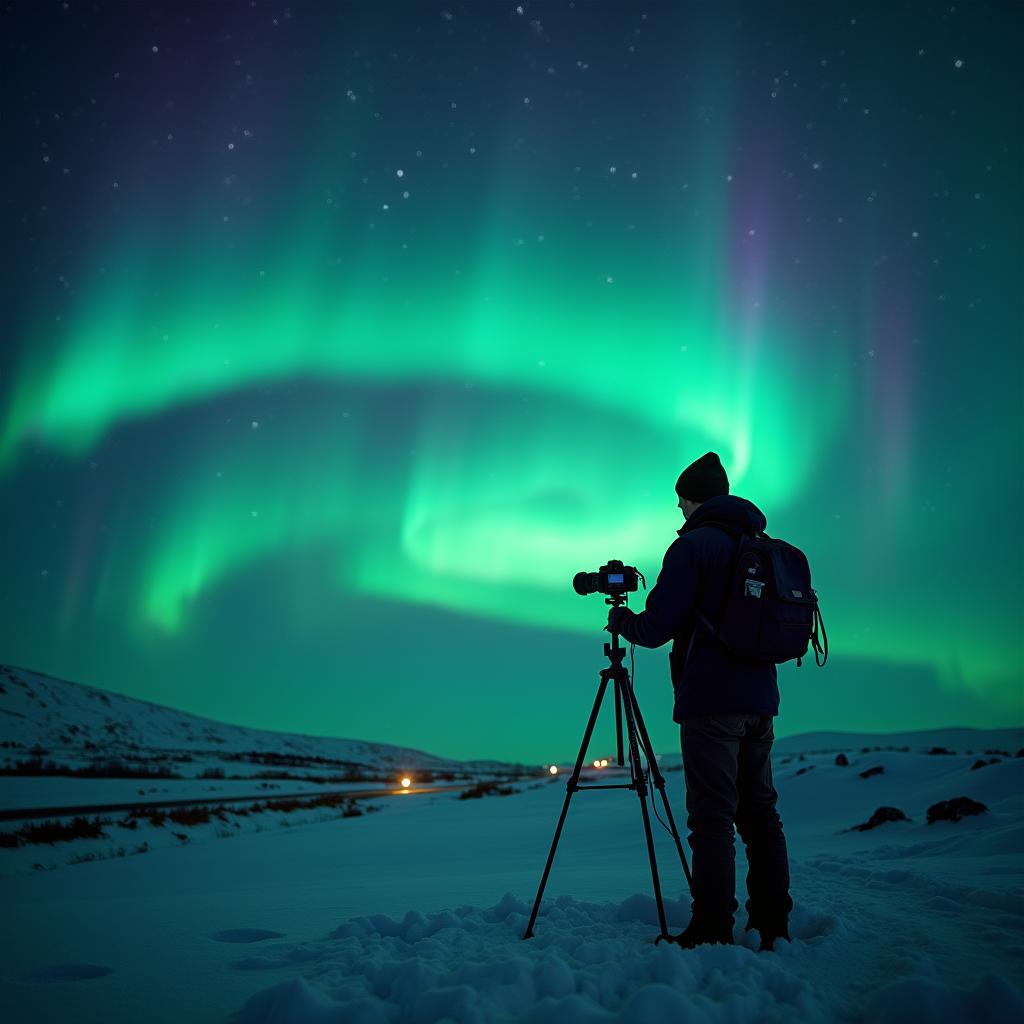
616 580
612 579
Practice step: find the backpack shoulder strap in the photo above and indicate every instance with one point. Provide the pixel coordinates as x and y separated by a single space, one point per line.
734 530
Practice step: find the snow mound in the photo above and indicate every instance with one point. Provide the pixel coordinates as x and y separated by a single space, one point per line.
586 964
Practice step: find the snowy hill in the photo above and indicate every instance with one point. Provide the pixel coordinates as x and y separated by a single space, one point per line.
83 727
954 738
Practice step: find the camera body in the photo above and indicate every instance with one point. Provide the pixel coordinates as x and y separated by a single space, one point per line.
612 579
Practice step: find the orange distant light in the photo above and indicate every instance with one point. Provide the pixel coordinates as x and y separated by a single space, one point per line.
406 782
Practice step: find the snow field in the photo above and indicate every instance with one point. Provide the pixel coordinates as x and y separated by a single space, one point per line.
399 916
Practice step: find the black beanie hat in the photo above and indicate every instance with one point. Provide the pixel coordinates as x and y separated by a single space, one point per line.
703 479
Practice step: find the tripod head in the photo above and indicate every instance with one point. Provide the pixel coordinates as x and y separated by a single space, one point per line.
613 650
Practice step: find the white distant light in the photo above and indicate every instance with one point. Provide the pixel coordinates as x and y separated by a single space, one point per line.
597 764
553 769
406 782
400 173
604 762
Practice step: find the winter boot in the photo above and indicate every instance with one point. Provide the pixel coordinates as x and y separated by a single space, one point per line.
698 933
769 932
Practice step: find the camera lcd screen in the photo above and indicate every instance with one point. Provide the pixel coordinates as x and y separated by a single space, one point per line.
616 577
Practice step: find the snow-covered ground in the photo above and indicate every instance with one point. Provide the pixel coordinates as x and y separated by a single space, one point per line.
127 777
415 913
21 792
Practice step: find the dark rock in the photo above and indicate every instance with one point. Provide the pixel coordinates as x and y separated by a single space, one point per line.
877 770
940 750
882 815
982 763
800 771
1020 753
955 809
841 759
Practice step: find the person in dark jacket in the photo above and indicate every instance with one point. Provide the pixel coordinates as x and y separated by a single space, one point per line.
725 707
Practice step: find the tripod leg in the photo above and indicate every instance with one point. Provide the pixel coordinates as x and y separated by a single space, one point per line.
641 790
618 724
570 788
659 783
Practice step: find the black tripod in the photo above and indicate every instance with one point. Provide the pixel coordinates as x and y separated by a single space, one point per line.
636 732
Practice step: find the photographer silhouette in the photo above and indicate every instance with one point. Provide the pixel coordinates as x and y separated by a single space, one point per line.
724 704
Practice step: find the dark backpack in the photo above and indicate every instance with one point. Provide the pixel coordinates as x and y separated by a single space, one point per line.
771 611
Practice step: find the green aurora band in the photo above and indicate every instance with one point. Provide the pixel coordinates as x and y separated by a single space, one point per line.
460 400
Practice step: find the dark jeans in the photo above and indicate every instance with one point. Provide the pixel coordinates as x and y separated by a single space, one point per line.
728 770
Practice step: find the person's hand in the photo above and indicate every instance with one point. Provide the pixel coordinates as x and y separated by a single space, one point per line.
616 617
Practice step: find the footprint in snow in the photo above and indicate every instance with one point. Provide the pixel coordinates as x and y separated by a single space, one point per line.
245 935
65 972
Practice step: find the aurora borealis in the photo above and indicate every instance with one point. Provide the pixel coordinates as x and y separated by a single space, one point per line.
339 337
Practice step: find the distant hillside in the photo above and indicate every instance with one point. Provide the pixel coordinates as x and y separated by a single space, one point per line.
958 738
76 725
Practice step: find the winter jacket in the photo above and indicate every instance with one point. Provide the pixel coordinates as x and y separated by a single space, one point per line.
695 573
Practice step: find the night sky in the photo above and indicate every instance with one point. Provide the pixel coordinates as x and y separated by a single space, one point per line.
339 337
